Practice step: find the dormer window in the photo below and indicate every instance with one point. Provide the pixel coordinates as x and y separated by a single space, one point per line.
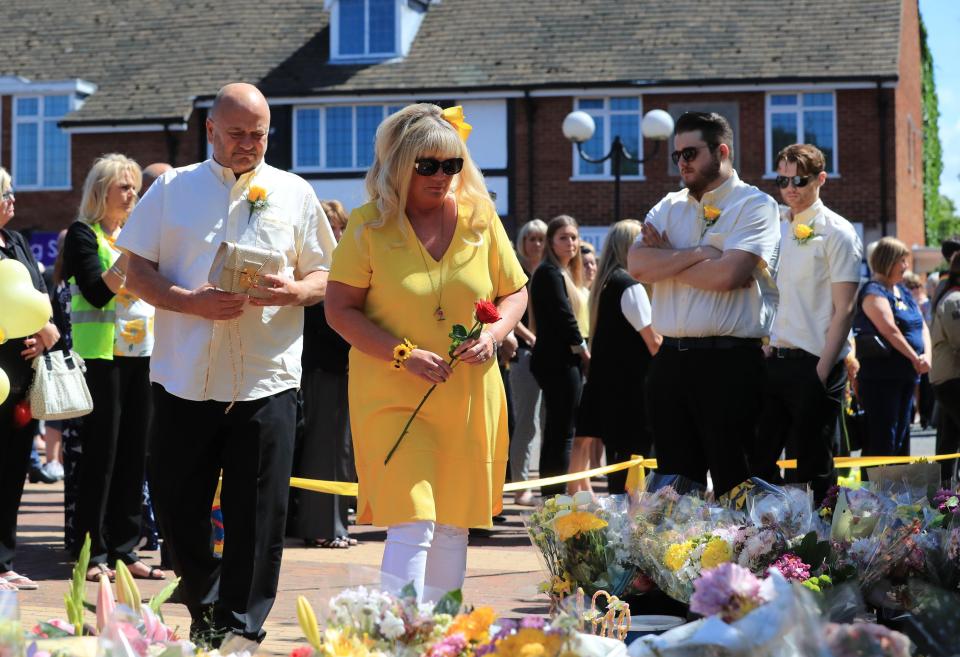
364 29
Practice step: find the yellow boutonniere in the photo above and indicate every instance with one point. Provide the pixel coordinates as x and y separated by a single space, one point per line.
803 233
257 198
710 215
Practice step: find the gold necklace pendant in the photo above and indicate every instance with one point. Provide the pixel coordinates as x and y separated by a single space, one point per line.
438 313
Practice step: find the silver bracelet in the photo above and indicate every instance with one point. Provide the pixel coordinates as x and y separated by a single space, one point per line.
496 345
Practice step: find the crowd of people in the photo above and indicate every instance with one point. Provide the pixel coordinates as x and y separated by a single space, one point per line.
722 331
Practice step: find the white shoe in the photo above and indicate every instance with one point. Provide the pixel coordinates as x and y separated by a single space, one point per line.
54 469
525 498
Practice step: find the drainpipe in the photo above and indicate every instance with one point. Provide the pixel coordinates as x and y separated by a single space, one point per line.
528 105
882 140
172 143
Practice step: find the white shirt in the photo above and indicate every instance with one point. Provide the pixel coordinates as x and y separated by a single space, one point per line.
747 222
635 306
179 224
806 272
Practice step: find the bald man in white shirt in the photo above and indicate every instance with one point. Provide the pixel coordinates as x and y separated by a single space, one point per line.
226 367
710 252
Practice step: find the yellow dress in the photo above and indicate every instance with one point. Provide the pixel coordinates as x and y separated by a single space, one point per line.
451 465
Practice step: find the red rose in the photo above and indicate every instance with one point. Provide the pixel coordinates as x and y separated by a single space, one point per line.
487 312
302 651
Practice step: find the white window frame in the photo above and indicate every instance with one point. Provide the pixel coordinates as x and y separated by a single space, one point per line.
73 103
605 114
322 167
799 109
366 56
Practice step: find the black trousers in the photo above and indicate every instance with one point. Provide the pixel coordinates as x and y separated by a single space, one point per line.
15 447
801 415
324 451
113 440
704 406
948 433
253 446
561 397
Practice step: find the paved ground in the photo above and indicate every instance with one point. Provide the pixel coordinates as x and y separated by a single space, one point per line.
502 570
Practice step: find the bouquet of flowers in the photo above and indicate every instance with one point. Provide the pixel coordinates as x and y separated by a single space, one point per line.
744 617
368 623
856 639
582 543
11 635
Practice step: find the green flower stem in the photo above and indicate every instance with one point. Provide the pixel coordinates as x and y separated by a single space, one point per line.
453 362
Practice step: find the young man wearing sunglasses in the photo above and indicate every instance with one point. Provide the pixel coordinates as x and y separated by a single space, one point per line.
819 272
710 251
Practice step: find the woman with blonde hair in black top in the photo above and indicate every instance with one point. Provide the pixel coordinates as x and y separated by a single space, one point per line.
560 353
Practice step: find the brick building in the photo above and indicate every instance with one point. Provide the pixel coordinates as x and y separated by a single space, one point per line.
83 77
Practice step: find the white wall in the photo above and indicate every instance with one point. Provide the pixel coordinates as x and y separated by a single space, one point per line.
348 191
488 141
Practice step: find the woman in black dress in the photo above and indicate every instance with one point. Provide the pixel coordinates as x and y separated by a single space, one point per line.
622 344
560 351
325 448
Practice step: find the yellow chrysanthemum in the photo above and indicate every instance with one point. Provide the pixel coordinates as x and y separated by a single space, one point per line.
343 644
256 194
711 212
529 642
576 523
715 553
475 626
676 555
802 231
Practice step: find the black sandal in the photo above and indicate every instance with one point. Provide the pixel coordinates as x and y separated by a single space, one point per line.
338 543
97 569
154 573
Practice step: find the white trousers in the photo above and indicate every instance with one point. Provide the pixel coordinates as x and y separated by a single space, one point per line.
433 557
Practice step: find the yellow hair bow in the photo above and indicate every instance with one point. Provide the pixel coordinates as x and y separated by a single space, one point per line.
454 116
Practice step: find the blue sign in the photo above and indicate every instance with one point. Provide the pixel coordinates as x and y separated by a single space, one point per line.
44 247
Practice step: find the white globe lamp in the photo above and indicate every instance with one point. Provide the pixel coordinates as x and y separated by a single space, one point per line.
657 124
578 127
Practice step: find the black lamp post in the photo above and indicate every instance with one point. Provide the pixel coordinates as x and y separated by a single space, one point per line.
579 127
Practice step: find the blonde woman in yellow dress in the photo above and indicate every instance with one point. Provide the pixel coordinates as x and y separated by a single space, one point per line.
412 262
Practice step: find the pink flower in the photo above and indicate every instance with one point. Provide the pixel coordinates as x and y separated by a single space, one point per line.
792 567
729 591
450 646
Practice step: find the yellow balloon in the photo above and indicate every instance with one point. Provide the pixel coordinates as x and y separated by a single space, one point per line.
25 310
4 386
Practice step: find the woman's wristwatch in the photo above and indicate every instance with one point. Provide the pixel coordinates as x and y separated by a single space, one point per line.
579 348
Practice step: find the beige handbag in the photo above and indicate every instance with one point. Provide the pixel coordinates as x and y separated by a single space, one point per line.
238 267
59 390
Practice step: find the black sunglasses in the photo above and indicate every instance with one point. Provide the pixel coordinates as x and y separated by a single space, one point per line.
7 195
689 154
428 166
798 181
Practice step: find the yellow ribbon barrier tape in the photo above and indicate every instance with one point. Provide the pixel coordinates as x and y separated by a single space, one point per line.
635 478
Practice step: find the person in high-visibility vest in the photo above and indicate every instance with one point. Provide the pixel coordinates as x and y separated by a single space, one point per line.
113 333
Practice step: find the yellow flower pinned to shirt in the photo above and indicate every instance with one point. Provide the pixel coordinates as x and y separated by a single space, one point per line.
577 523
803 233
257 199
710 215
